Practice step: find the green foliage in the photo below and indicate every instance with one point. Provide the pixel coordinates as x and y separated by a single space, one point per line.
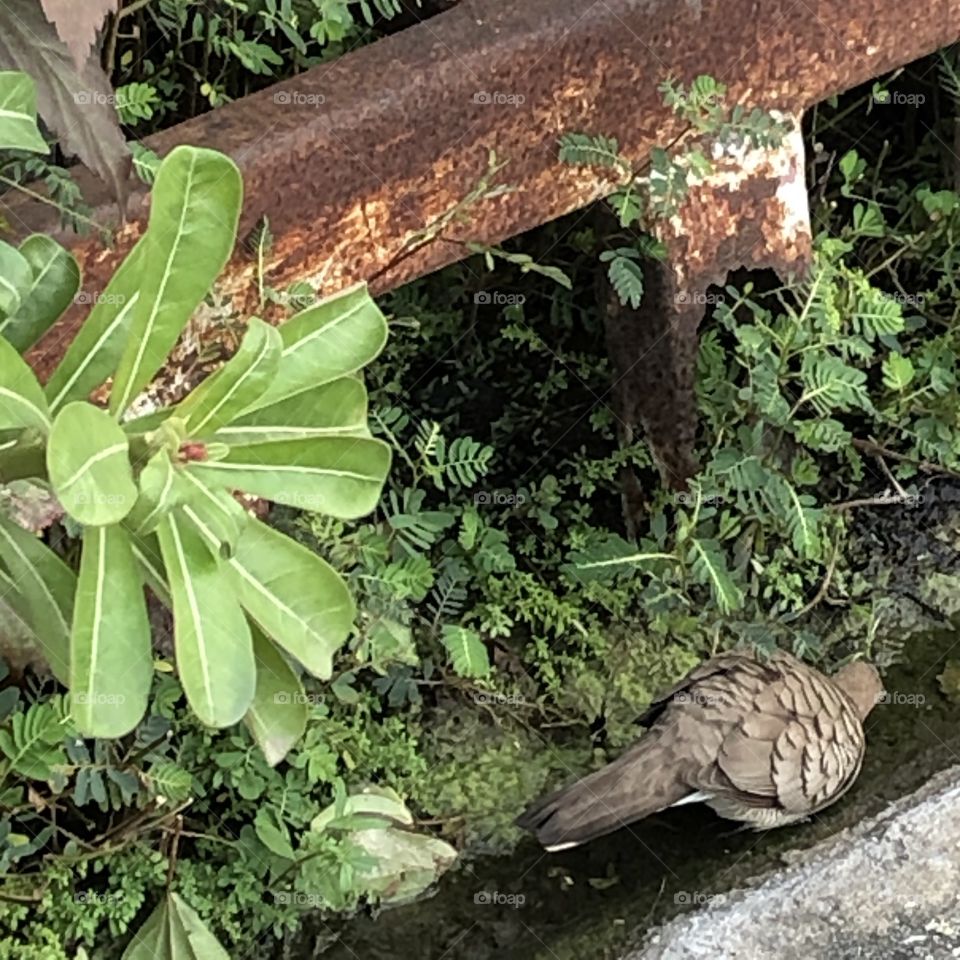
626 274
593 151
173 476
509 632
171 58
641 199
467 652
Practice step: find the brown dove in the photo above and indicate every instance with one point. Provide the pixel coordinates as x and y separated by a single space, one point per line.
763 741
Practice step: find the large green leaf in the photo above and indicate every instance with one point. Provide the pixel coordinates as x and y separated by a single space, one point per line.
15 279
236 385
340 476
95 351
331 339
22 403
111 664
174 932
372 802
335 408
399 864
222 525
278 715
146 551
194 208
56 279
296 597
161 489
48 586
18 113
88 464
211 635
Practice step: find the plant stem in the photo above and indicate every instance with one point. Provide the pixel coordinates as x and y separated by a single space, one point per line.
39 197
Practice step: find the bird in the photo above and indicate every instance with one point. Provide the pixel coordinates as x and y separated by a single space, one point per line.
763 740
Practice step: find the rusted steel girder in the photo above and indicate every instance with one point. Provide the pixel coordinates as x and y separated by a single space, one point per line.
351 159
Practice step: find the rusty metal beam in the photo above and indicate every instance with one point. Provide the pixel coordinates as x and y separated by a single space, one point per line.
349 159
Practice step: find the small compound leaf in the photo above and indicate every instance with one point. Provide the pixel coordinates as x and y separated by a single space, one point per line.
468 655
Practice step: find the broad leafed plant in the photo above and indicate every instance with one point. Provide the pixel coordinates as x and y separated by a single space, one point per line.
285 419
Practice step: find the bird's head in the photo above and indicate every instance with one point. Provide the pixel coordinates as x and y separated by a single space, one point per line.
861 682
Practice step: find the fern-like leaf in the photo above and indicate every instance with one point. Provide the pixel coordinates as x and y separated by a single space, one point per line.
950 73
626 274
468 655
416 529
462 463
830 384
33 741
449 595
827 436
709 567
591 151
799 513
167 779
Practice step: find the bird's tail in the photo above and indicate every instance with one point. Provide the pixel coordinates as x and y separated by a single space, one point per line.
641 782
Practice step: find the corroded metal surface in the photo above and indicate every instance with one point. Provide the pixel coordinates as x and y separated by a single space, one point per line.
349 159
751 211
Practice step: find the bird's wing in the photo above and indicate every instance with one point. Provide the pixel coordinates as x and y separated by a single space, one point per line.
726 671
798 747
